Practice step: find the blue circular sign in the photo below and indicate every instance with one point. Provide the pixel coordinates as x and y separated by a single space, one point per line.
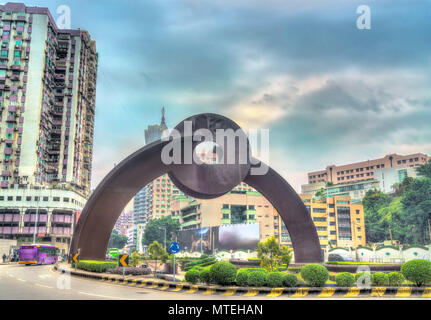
174 247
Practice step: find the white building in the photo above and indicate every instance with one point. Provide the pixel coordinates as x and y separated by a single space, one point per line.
389 176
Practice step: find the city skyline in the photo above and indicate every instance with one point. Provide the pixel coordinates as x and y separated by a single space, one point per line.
328 92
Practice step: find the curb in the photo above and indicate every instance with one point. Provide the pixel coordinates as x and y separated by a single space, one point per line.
296 292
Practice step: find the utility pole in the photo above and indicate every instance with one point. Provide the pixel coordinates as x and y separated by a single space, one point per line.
390 233
429 228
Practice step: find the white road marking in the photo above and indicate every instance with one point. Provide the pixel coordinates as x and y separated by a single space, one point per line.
102 296
44 276
41 285
10 275
20 279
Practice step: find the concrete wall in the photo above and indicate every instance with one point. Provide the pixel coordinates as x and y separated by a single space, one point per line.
385 254
5 247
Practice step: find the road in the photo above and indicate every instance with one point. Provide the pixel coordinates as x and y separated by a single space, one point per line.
19 282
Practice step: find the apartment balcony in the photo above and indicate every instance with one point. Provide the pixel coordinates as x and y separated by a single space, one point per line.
11 119
58 218
4 184
6 173
9 217
7 151
9 230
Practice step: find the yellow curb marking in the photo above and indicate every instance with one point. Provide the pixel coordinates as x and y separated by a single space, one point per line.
403 292
210 291
378 291
251 293
300 293
154 285
275 292
353 292
178 288
133 282
326 293
229 292
165 286
143 283
426 293
115 280
193 289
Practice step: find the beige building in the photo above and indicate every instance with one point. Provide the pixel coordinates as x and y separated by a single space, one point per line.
365 170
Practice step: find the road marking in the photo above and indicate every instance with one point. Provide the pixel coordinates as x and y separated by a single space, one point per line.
102 296
353 292
133 282
20 279
404 292
42 285
426 293
229 292
326 292
143 283
251 293
302 292
210 290
275 292
178 288
378 291
193 289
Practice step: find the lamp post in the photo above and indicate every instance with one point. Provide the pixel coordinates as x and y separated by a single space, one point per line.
165 234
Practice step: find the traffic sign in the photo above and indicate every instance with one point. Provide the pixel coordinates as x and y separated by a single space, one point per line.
174 247
76 257
124 260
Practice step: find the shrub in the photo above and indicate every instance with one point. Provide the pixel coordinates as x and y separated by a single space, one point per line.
223 273
257 279
95 266
345 279
130 271
380 279
396 279
192 276
417 271
290 280
315 275
206 261
275 279
242 278
205 276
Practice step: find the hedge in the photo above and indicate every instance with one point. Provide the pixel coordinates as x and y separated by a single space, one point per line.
96 266
223 273
275 279
379 279
290 280
344 279
417 271
257 279
192 276
315 274
205 276
396 279
242 278
132 271
366 275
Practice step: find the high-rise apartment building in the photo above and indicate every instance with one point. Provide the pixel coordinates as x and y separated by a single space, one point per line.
124 221
365 170
47 108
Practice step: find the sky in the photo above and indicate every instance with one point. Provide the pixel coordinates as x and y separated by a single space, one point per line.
328 92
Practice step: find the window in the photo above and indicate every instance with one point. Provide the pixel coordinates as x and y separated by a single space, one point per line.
28 198
319 219
225 216
18 198
56 198
9 198
45 198
321 210
225 206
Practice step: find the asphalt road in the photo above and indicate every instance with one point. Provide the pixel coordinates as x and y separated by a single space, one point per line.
20 282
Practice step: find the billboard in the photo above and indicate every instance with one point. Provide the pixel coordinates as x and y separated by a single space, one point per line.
237 236
195 240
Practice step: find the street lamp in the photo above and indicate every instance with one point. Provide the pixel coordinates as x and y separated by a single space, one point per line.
165 234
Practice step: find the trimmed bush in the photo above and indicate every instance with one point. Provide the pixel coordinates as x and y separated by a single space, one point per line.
379 279
290 280
206 261
345 279
275 279
417 271
315 275
205 276
257 279
192 276
396 279
242 278
132 271
223 273
95 266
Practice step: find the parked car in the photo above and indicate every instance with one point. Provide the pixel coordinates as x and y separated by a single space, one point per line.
339 257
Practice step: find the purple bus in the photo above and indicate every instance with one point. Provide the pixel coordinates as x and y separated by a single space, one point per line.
37 254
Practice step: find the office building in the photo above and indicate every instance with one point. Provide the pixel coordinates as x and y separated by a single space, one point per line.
47 108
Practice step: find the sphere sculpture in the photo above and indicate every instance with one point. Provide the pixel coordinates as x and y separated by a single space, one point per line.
199 180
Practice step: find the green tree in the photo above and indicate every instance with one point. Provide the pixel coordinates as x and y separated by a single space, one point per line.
158 253
376 228
321 194
425 170
135 259
416 201
155 230
271 254
117 240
